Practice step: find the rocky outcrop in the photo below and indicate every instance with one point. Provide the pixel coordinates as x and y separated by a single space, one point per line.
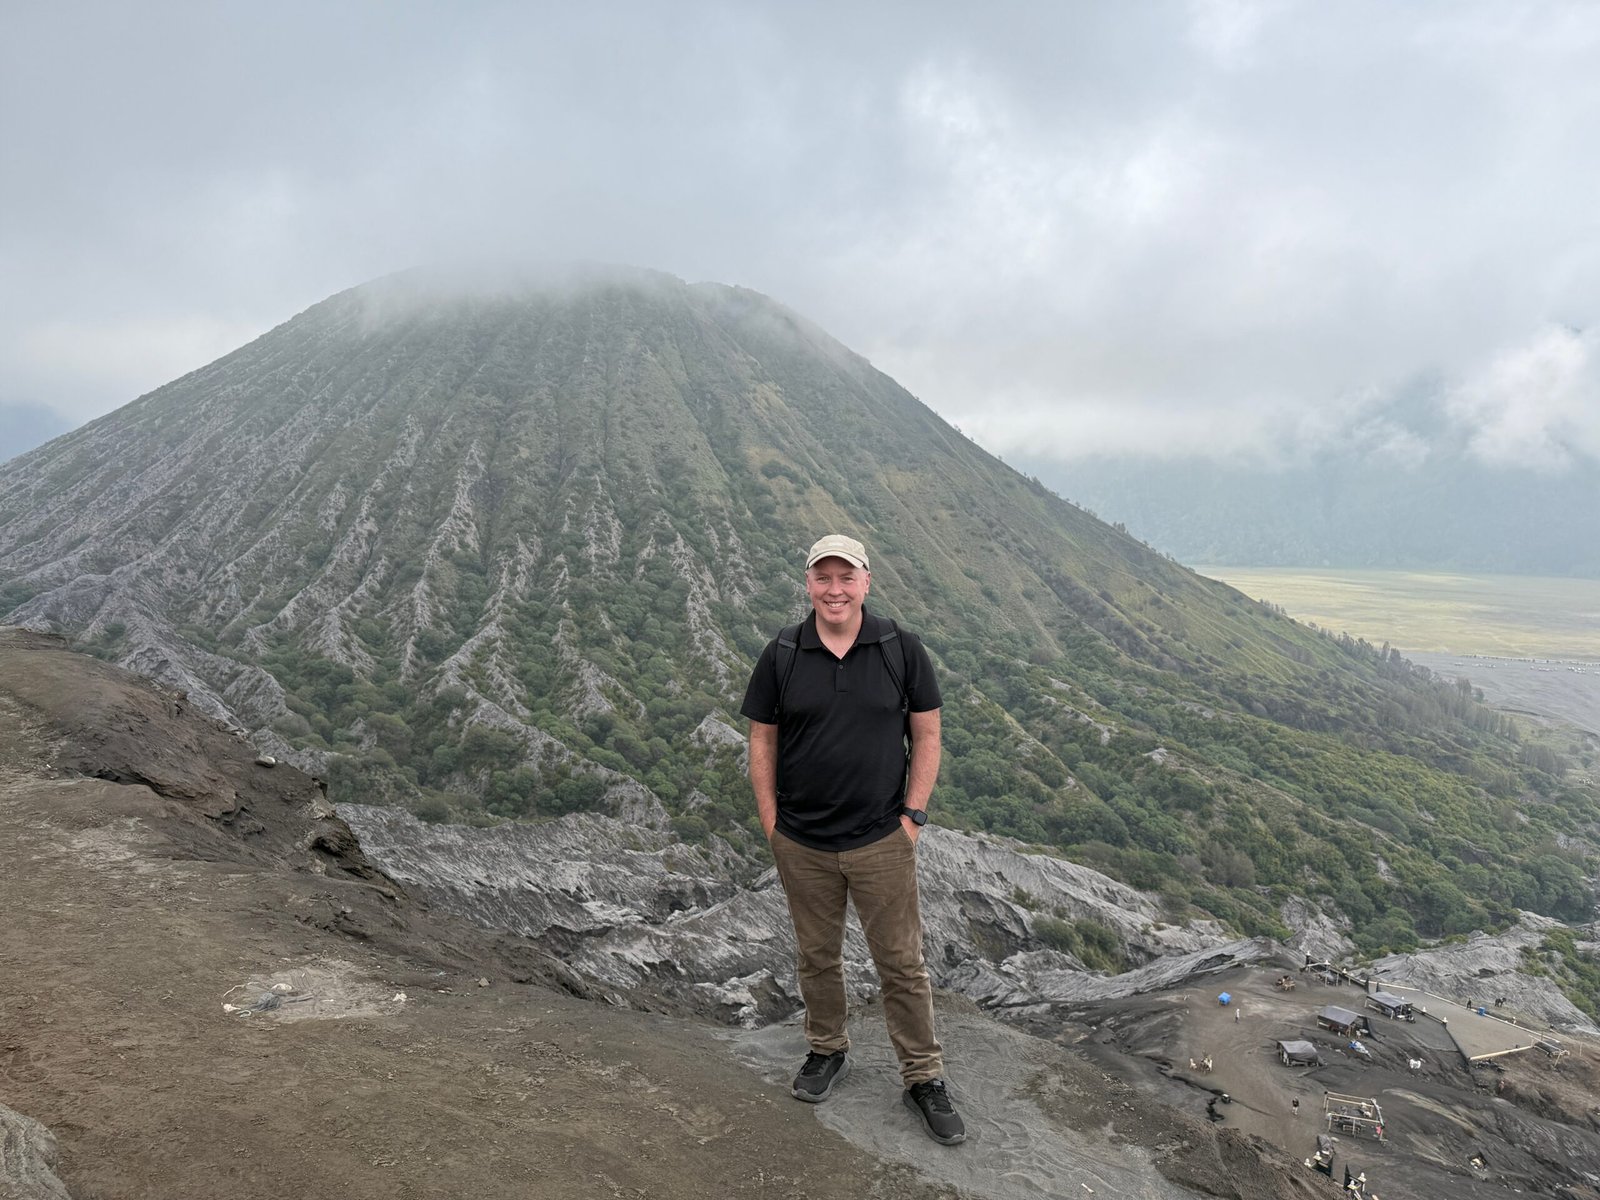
1035 981
1322 937
118 729
27 1159
638 911
1486 968
579 876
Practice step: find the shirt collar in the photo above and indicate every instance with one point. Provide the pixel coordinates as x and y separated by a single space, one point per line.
872 630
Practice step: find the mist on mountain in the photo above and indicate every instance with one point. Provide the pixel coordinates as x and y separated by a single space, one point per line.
1437 478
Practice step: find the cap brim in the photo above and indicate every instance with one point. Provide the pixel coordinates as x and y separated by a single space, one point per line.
849 558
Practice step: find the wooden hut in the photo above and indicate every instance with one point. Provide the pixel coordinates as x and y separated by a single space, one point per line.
1391 1005
1299 1054
1342 1021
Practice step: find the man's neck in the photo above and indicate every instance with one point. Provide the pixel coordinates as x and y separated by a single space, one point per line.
839 642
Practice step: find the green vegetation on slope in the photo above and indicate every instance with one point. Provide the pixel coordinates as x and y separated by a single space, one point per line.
1575 972
505 551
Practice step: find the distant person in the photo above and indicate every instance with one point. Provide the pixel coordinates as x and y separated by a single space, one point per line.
832 703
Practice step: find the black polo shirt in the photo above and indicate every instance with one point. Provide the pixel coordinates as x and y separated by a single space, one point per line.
841 734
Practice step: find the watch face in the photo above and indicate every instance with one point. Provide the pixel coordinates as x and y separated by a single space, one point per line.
918 817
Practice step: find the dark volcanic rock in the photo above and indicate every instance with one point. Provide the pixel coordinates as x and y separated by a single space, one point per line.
114 726
154 755
640 911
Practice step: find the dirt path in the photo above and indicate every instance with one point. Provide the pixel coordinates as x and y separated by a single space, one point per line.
131 919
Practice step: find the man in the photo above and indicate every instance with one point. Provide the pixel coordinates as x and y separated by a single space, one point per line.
831 703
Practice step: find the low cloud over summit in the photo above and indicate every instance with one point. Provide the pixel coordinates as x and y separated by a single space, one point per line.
1200 226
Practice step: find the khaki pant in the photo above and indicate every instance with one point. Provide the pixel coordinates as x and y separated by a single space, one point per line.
881 880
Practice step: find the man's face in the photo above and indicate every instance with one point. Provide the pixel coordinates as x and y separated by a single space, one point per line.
837 589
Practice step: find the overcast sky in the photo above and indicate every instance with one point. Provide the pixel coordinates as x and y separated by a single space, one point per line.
1168 228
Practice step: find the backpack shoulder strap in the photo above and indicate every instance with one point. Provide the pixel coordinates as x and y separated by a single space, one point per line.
788 644
895 660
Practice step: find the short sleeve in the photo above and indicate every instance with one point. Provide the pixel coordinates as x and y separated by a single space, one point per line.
922 684
761 694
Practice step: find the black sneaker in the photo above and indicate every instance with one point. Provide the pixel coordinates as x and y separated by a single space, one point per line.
818 1074
930 1100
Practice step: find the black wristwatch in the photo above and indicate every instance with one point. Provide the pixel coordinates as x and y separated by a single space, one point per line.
917 815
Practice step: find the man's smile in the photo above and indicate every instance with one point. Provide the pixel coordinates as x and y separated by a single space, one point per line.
837 588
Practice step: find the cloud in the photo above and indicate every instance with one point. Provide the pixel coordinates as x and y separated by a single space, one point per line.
1535 405
1382 438
1249 247
1122 429
86 361
1230 30
1203 226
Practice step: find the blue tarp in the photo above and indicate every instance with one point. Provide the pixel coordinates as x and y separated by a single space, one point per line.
1224 998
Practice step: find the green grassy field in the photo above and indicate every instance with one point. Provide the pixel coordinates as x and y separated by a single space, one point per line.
1511 616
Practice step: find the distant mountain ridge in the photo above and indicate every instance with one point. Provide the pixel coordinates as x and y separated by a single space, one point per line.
507 546
1350 509
24 426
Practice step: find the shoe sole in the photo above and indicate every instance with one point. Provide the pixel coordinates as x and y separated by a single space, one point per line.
954 1139
819 1097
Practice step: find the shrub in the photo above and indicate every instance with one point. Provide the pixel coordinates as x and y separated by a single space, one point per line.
1094 944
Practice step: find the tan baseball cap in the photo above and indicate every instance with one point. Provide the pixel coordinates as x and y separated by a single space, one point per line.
836 545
